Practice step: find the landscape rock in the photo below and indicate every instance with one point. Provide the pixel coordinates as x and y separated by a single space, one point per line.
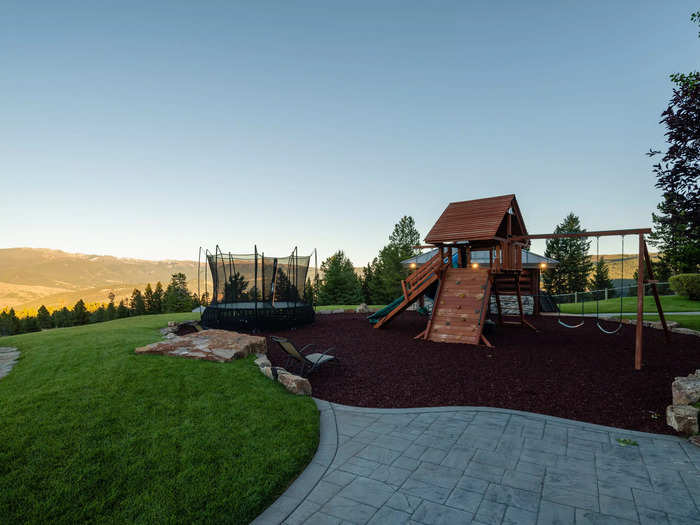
686 331
295 384
339 311
686 390
362 309
683 418
8 357
210 345
262 361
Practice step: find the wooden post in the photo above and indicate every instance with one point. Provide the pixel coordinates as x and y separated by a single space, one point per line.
640 306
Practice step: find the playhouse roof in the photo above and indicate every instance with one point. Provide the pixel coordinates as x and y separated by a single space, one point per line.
479 219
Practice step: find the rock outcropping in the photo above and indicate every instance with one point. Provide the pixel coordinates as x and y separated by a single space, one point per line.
682 415
210 345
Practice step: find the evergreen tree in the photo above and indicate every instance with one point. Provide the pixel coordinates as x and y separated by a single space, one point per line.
14 324
677 224
137 304
110 311
44 318
235 288
284 288
405 236
177 296
122 310
99 315
309 292
80 313
388 272
340 284
62 318
148 300
366 283
158 294
601 278
382 278
4 323
30 324
571 274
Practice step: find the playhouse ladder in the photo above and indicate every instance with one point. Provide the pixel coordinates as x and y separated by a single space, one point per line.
460 307
415 285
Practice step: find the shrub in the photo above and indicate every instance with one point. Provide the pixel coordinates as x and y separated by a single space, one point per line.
686 285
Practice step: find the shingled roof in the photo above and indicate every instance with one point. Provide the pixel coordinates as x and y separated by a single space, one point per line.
479 219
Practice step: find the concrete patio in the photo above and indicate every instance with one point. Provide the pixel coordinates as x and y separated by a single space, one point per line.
488 466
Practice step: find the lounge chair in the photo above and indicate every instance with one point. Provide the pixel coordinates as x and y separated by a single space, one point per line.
308 362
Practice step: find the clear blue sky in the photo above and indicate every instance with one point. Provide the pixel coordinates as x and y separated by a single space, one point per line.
147 129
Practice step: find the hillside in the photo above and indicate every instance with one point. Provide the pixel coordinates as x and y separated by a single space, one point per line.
615 264
30 277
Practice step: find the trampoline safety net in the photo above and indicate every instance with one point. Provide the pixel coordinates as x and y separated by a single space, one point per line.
257 292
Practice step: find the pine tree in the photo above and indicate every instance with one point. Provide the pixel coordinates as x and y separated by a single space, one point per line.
235 288
14 324
62 318
148 300
99 315
405 236
677 225
340 284
309 292
30 324
110 311
137 304
80 313
571 274
366 283
44 318
601 278
388 272
158 294
122 310
177 296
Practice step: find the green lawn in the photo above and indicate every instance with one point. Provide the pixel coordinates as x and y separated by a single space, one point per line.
348 307
91 432
670 303
686 321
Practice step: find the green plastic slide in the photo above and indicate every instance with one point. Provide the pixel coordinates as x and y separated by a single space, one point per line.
376 316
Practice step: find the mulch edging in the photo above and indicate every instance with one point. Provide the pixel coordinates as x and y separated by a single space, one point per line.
579 374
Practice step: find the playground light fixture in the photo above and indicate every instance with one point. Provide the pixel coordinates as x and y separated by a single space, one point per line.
543 266
475 265
413 266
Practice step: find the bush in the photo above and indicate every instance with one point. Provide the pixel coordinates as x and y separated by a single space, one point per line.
686 285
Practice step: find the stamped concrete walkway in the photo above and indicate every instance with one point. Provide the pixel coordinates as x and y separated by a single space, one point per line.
489 466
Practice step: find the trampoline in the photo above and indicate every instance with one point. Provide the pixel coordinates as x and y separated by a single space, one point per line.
255 292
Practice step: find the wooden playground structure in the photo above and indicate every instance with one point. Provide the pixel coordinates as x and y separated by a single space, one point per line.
463 295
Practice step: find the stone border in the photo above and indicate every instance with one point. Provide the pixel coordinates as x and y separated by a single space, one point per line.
9 355
292 499
293 383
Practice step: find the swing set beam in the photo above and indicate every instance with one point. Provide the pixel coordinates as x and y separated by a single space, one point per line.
644 262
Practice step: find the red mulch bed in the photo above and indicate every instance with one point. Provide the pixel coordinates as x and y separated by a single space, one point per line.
579 374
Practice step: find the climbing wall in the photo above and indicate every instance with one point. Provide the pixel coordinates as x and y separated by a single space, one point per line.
457 312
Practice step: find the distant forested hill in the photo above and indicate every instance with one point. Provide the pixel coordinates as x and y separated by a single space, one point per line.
30 277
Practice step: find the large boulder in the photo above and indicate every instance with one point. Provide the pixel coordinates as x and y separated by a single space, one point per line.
683 418
210 345
295 384
686 390
362 309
